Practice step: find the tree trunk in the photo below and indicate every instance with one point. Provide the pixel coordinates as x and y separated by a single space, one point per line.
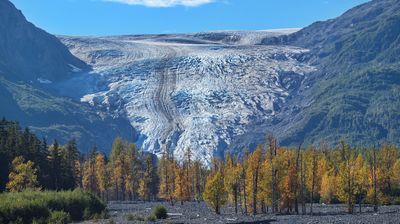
236 205
302 187
244 194
296 202
255 193
314 170
374 181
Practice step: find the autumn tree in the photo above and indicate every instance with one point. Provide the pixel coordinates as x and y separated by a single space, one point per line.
89 178
313 177
116 167
131 168
287 186
215 194
23 175
188 173
244 182
101 174
148 186
361 179
386 158
181 190
346 178
166 173
199 179
396 174
273 148
253 177
232 179
328 184
265 186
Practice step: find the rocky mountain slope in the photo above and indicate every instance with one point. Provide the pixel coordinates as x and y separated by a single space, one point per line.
30 54
31 63
354 94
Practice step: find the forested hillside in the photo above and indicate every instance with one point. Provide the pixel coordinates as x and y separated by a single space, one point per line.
354 94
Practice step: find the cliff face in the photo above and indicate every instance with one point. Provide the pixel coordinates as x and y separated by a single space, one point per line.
28 53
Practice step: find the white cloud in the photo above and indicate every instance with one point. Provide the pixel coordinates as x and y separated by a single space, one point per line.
164 3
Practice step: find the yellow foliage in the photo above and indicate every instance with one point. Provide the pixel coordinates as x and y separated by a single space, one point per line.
23 176
328 188
215 194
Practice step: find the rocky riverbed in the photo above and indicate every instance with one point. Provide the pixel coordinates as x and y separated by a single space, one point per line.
193 212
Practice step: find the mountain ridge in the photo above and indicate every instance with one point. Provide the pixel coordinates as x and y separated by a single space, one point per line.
31 63
29 53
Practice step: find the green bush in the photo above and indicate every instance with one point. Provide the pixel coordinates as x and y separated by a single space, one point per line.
160 212
151 218
59 217
111 221
134 217
30 206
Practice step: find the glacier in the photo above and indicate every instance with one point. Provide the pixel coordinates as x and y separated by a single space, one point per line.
180 91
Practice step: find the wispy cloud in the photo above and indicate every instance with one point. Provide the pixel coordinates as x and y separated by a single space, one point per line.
164 3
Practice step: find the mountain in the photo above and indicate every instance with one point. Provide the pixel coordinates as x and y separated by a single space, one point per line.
354 93
29 53
214 91
32 62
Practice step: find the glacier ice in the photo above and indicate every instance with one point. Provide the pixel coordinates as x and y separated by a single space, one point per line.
191 90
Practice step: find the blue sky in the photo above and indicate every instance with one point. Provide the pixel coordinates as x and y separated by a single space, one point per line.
112 17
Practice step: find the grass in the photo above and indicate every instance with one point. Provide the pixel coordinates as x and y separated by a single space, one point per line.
134 217
46 207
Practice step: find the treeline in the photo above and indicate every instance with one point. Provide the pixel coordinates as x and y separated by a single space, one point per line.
51 167
130 175
287 180
125 174
270 179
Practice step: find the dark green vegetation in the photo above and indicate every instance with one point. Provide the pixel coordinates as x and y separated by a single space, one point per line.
55 164
49 207
28 54
354 95
157 212
160 212
59 118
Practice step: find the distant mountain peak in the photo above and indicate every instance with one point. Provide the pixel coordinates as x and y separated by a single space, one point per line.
28 53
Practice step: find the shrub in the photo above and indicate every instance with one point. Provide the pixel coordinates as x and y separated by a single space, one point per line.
134 217
160 212
30 206
151 218
111 221
59 217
